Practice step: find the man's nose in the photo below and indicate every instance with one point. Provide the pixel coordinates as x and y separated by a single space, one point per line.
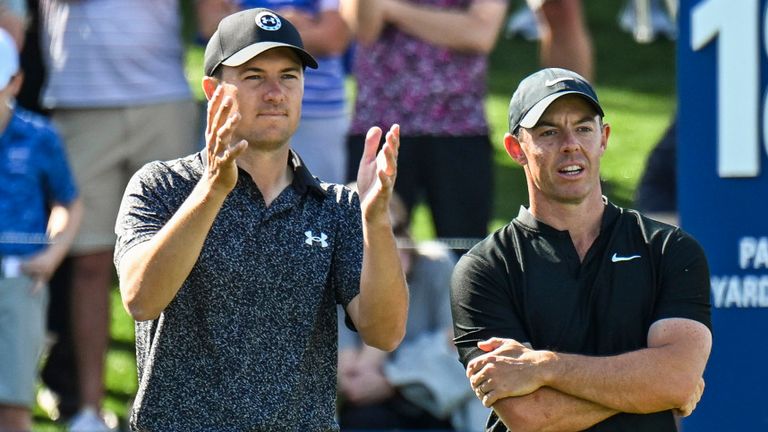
274 91
569 141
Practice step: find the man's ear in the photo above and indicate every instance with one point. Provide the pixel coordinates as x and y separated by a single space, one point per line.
514 150
209 86
606 133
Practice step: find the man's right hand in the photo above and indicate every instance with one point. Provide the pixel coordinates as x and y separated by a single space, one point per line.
509 368
223 116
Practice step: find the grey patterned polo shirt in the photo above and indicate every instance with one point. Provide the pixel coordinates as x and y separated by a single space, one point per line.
249 343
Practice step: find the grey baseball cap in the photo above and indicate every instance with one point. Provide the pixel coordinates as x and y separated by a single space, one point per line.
536 92
248 33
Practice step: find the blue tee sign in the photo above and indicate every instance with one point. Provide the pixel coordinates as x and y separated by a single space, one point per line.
723 197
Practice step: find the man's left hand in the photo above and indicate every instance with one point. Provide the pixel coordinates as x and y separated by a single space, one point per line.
688 408
377 172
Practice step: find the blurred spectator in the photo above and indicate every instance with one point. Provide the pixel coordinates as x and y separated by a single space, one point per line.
59 370
523 23
420 385
118 93
321 136
656 195
565 39
37 196
13 18
423 64
647 19
32 61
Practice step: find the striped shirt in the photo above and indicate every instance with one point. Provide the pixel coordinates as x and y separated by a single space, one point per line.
113 53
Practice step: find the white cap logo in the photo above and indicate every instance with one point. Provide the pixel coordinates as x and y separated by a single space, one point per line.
550 83
268 21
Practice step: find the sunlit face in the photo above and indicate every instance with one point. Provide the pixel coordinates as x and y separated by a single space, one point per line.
561 154
270 87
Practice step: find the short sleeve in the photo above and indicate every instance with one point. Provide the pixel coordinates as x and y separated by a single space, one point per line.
347 262
685 282
482 306
145 208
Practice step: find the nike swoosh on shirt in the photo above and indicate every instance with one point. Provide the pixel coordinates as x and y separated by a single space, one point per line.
617 258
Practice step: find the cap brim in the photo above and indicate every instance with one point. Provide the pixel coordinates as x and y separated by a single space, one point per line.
253 50
531 118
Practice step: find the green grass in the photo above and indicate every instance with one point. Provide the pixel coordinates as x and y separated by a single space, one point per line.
636 85
120 379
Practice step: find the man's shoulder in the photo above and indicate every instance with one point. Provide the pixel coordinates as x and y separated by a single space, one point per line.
498 247
170 180
661 237
500 239
652 230
187 167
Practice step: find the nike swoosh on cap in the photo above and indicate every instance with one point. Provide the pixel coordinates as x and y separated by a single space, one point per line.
550 83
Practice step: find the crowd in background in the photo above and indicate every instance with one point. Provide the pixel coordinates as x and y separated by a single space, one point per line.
109 76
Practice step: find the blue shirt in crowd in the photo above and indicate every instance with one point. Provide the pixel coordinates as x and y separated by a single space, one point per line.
34 174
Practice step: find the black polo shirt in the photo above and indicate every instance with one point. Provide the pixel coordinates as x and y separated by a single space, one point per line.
526 282
249 341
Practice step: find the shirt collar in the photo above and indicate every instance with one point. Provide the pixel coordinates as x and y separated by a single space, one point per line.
525 218
303 180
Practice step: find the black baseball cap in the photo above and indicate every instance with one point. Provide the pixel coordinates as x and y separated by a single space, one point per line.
536 92
248 33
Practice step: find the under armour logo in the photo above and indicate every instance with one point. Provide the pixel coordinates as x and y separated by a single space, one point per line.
268 21
316 239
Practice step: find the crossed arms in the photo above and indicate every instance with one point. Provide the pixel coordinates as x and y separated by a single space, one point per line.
545 390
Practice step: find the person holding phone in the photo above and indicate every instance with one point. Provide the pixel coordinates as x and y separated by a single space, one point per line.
232 260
